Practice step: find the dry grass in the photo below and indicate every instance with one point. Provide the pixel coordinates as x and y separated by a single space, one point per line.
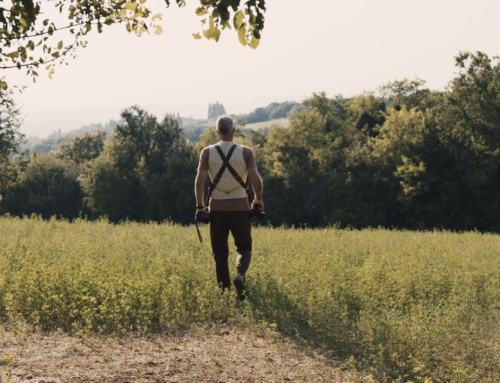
214 355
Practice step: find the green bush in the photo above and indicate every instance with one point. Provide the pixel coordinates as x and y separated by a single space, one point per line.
48 186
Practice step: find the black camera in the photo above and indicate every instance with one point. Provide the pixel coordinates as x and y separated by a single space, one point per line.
255 212
203 217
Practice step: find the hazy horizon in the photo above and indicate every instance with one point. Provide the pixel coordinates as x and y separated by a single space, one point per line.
336 47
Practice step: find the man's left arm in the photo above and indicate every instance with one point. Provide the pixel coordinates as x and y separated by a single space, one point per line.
257 183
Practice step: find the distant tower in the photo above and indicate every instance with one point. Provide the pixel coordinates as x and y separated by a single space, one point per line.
179 119
215 110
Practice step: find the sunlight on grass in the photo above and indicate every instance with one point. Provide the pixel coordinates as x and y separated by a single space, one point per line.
403 306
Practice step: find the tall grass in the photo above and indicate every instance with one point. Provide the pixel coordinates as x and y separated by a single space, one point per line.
402 306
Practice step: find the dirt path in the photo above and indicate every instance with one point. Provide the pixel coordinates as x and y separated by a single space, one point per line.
215 356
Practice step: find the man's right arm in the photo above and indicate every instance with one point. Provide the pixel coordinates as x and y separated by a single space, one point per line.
200 179
198 189
258 186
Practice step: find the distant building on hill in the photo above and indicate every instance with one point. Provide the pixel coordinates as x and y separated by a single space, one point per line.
215 111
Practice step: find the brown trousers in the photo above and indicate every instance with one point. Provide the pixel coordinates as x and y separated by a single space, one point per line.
238 223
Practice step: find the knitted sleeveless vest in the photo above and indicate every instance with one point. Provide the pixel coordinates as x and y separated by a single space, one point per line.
228 187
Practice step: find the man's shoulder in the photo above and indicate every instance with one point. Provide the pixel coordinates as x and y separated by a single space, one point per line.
246 148
207 148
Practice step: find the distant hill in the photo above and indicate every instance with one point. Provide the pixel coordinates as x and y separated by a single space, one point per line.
268 124
261 118
186 121
273 111
54 140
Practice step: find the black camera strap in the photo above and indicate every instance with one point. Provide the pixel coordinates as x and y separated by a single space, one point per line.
198 230
225 165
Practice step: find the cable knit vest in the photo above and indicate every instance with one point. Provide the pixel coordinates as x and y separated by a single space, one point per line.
228 187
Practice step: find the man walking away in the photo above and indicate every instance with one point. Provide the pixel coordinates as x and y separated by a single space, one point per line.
228 203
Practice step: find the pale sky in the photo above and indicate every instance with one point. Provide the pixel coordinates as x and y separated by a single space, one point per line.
308 46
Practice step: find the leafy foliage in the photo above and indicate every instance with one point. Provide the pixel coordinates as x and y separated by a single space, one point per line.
248 22
27 37
407 158
48 187
137 176
83 148
10 140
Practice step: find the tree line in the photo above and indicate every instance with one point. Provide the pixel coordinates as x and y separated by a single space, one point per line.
405 157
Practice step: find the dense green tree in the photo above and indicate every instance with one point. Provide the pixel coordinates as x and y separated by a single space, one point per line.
297 160
409 93
108 192
10 140
408 158
369 112
83 148
135 177
48 186
465 171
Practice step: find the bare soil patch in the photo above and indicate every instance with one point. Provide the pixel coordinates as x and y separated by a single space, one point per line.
208 356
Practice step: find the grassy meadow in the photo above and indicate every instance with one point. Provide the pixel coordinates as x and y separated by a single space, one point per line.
399 306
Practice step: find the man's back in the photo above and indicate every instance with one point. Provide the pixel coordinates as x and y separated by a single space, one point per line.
229 195
228 165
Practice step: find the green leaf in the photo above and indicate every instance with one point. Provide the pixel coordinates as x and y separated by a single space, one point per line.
242 35
238 20
254 43
131 6
23 22
201 11
60 45
157 17
212 32
216 34
3 86
157 29
5 361
196 36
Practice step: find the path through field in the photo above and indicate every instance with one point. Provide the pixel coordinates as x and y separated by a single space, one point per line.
213 356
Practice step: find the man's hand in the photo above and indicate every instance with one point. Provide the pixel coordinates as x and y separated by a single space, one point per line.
260 203
258 186
200 210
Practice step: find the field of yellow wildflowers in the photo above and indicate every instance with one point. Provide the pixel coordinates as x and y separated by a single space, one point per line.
399 305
